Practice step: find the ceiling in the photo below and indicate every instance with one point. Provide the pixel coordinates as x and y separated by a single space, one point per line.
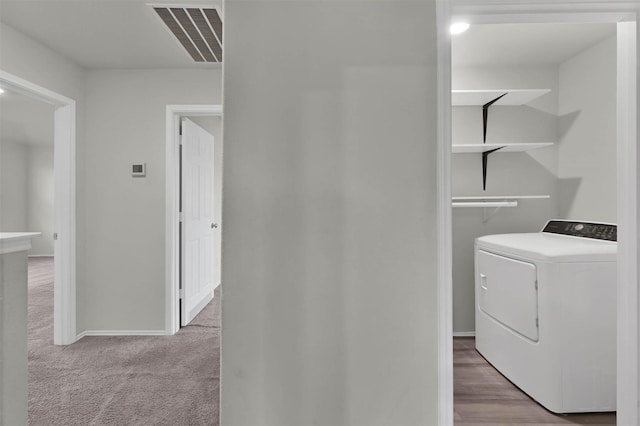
103 33
524 44
129 34
93 34
25 120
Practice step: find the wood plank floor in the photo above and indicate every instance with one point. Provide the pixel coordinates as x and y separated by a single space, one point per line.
482 396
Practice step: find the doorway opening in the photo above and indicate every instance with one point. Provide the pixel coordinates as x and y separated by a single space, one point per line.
178 308
624 16
64 236
554 128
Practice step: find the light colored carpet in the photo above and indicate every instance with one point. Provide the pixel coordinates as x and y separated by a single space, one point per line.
171 380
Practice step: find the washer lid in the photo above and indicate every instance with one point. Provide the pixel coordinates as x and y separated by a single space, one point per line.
550 247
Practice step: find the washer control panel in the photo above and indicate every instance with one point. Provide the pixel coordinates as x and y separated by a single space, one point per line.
598 231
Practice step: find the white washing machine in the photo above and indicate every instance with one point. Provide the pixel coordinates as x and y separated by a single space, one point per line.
546 313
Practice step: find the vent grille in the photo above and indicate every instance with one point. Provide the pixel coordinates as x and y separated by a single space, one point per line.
199 30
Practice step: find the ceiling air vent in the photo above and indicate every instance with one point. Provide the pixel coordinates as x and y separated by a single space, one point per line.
198 29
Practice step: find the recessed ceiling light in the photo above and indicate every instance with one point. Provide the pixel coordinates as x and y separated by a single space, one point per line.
459 27
1 91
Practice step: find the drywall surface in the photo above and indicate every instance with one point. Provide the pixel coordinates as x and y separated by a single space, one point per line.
26 192
587 151
26 120
329 267
526 173
40 199
13 186
28 59
125 124
29 123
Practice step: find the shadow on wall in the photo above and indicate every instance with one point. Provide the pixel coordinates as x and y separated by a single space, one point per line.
506 124
567 191
565 122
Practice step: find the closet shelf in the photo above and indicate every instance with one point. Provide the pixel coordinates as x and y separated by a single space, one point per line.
501 197
511 97
493 200
486 99
485 204
503 147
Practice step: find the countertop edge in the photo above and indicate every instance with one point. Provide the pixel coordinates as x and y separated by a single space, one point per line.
16 241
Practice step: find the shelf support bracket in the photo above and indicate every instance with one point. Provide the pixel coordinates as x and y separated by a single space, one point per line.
485 116
485 157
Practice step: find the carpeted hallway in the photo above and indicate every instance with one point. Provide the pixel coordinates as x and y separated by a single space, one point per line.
171 380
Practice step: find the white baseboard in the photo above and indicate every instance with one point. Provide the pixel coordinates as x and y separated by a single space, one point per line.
40 255
122 333
464 334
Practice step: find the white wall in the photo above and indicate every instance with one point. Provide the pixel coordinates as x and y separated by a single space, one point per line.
29 123
29 59
587 159
528 173
329 274
26 192
40 198
125 253
14 160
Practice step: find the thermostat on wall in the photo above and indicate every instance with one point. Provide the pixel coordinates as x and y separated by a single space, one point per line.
139 170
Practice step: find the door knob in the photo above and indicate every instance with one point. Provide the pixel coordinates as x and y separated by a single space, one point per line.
214 225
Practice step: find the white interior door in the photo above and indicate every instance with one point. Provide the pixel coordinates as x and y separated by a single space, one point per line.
199 229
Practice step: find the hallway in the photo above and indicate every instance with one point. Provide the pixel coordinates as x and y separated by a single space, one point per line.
124 380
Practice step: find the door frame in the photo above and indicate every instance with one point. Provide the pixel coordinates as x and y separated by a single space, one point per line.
64 164
626 14
172 186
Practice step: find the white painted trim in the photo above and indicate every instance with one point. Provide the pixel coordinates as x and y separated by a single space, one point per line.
123 333
444 221
172 190
64 305
64 282
568 11
39 255
464 334
628 386
24 87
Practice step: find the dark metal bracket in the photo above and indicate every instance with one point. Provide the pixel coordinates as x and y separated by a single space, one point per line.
485 116
485 157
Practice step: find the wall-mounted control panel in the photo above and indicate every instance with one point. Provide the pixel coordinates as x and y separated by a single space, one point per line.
139 170
598 231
